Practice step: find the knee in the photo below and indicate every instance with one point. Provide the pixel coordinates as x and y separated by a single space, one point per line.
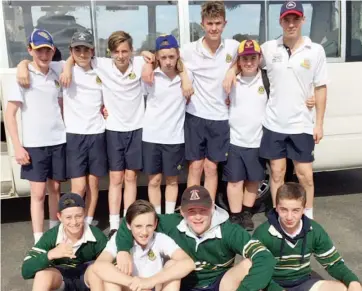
171 181
130 177
237 185
155 182
38 196
305 177
210 168
79 189
116 179
43 277
278 173
196 167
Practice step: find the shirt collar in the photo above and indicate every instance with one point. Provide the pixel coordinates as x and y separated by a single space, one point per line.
33 70
307 42
87 235
160 72
201 48
296 232
256 78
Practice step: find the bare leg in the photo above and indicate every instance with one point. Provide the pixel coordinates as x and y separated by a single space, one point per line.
92 195
171 193
115 197
235 196
48 279
278 168
325 285
195 173
92 280
172 285
154 189
304 173
251 191
79 185
210 169
130 188
53 198
37 190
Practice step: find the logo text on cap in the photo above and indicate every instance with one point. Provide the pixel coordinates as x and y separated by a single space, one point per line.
44 34
81 36
291 5
249 44
194 195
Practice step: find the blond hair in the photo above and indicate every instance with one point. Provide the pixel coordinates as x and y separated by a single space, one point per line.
213 9
117 38
179 64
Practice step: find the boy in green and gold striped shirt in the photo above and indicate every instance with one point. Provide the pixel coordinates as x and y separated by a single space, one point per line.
293 238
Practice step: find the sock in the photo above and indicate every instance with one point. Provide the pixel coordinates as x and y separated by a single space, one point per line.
308 212
53 223
114 221
125 212
170 207
247 209
37 236
158 209
233 214
89 219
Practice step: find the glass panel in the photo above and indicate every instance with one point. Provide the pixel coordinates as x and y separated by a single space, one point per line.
244 20
143 20
356 29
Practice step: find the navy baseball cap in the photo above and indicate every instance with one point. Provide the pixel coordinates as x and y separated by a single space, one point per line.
41 38
291 7
70 200
166 42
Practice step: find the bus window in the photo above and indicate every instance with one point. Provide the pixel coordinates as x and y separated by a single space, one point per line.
244 20
61 19
143 20
322 24
354 30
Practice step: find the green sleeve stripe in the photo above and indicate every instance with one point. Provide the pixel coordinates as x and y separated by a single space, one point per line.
39 250
327 253
27 258
249 246
261 249
325 265
292 257
292 267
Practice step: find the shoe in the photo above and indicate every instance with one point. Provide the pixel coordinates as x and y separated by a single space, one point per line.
235 219
247 221
111 233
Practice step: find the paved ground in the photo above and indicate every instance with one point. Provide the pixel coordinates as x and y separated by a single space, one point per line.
338 207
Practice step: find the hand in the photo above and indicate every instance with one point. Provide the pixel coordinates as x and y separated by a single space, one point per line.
148 57
138 284
229 81
62 250
22 77
187 90
318 133
310 102
124 262
147 74
22 156
354 286
104 112
65 78
227 101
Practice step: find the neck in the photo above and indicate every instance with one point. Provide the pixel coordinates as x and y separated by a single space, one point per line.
40 69
211 45
74 237
122 69
293 43
253 74
291 231
87 67
171 74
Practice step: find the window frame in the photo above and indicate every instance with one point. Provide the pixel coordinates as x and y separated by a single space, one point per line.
349 57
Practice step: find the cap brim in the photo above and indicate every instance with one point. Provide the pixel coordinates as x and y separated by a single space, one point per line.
291 12
195 205
248 53
35 47
82 44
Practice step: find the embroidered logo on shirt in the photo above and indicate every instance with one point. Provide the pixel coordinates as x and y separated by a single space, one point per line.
261 90
229 58
132 76
56 84
226 154
194 195
98 80
179 167
306 64
151 255
312 153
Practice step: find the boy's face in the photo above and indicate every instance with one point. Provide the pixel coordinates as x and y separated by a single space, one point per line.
198 218
213 27
168 59
143 227
42 56
249 64
292 25
82 55
72 219
122 55
290 213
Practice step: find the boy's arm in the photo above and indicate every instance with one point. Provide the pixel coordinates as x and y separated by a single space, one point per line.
66 76
22 74
186 81
230 78
320 104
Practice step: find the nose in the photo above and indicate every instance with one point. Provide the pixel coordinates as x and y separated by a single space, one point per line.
289 216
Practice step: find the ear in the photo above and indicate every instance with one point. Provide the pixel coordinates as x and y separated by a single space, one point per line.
182 213
30 51
59 216
226 22
128 226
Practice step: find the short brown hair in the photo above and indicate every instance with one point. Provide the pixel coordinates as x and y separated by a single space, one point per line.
213 9
137 208
291 191
117 38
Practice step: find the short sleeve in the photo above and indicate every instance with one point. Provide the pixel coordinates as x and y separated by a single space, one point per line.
320 72
167 245
138 62
111 246
16 92
145 88
103 63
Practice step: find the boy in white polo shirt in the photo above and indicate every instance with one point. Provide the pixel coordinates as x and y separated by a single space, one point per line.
296 68
41 149
150 252
163 126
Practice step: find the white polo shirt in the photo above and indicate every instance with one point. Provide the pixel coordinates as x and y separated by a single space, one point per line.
209 71
292 82
248 101
149 261
82 101
122 93
41 119
165 110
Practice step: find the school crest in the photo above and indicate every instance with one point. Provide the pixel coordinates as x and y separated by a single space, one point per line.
179 167
305 64
132 76
261 90
98 80
229 58
57 85
226 154
195 195
151 255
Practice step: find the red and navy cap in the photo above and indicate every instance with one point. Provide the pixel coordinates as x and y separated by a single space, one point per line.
166 42
41 38
291 7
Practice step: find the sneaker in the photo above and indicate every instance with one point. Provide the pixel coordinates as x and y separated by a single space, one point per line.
111 232
247 221
235 219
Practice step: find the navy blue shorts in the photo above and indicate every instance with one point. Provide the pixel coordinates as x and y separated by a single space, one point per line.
297 147
124 150
244 164
212 287
305 284
86 154
45 162
206 138
73 278
167 159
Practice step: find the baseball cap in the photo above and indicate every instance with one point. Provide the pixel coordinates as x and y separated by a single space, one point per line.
166 42
84 38
249 47
291 7
70 200
196 196
41 38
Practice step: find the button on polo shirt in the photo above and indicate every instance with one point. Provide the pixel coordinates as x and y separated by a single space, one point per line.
41 119
246 112
292 81
122 93
209 71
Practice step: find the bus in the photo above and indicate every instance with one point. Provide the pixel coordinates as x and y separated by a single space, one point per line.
335 24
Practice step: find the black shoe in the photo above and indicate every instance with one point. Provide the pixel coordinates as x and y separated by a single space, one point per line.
236 219
247 221
111 232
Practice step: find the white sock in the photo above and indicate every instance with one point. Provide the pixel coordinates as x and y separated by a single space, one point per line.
170 207
114 221
308 212
124 212
89 219
37 236
158 209
53 223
